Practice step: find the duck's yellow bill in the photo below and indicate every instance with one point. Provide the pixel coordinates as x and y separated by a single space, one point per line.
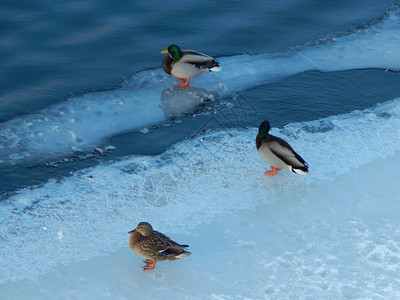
164 51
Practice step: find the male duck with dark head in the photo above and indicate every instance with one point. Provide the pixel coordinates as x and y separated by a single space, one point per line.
278 153
187 64
154 246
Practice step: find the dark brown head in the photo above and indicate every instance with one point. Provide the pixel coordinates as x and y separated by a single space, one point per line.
144 228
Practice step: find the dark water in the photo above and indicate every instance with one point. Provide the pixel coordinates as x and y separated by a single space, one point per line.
51 52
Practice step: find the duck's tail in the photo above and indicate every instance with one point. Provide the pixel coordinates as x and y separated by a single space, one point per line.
300 170
214 66
183 254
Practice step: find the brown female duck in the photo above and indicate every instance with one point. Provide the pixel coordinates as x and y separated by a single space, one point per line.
154 246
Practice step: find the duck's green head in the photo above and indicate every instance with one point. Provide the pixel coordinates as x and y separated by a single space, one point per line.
174 51
263 130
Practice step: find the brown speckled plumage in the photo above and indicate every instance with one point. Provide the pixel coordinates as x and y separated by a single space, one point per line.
154 245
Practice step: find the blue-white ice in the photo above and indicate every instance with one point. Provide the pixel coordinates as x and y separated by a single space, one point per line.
331 234
147 98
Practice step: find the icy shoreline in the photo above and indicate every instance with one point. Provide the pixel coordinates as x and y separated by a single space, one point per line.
336 239
84 215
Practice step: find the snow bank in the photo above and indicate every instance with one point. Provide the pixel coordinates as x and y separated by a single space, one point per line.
88 214
332 239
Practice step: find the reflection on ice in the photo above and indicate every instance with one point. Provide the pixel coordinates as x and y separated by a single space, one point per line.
175 101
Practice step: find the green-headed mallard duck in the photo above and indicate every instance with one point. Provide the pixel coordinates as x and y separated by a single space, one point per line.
278 153
154 246
187 64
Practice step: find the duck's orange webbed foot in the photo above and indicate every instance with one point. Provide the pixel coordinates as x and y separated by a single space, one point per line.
185 83
149 264
271 172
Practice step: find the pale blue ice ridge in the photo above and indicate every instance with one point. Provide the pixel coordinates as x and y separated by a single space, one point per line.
147 98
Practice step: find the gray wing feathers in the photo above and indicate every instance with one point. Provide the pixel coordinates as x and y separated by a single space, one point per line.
285 152
197 58
190 55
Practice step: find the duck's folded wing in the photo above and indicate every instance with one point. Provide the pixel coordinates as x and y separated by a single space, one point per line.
198 59
191 55
165 245
286 153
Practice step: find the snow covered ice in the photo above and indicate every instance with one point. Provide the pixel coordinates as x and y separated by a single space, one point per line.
336 238
328 233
